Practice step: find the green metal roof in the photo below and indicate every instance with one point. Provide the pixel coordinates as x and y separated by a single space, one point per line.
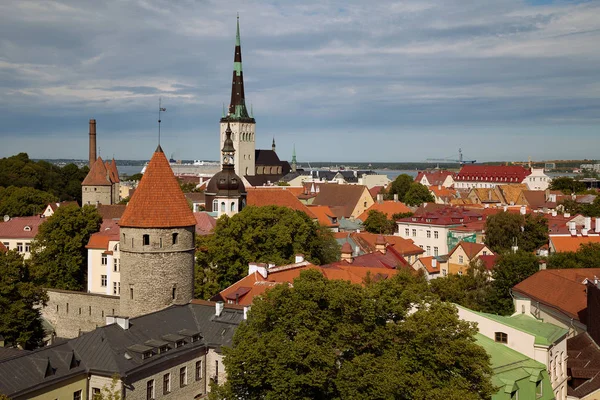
545 333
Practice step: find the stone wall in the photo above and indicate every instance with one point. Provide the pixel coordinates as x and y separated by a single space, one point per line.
72 313
96 194
158 274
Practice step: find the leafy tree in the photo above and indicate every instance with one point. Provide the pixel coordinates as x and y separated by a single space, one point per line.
511 268
570 206
135 177
59 256
471 290
323 339
259 234
591 210
20 302
377 222
400 186
22 201
417 195
505 229
567 185
587 256
110 392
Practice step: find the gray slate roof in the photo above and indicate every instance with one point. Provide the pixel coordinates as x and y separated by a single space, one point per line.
103 351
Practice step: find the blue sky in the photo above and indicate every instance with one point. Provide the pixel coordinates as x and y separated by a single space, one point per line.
342 80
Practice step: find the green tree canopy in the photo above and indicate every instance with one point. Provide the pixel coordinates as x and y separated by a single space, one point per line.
59 256
62 183
23 201
511 268
587 256
377 222
20 302
400 186
268 234
567 185
504 230
417 195
324 339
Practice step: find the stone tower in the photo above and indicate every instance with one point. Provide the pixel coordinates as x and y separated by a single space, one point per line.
242 124
225 193
101 184
157 243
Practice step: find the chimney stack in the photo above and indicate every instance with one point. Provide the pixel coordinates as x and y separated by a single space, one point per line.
92 142
346 252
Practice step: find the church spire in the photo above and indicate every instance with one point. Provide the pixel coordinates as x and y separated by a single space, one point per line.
237 106
294 164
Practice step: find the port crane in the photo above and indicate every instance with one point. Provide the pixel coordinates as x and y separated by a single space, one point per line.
460 160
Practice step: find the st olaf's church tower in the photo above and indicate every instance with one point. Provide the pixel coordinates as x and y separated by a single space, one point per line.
242 124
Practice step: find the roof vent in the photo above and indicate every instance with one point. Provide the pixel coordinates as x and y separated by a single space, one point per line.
6 218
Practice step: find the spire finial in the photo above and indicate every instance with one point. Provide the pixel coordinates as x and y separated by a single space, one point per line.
251 110
237 34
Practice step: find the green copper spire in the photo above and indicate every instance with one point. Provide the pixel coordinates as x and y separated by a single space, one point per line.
237 106
294 155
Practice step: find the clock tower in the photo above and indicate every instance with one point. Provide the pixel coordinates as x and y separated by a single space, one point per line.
225 193
238 120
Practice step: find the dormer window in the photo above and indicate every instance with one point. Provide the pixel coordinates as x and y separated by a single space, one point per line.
27 228
501 337
147 354
179 343
195 338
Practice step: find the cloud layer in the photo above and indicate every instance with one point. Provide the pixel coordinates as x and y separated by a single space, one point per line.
342 80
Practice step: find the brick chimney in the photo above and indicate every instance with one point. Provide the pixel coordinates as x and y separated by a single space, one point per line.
380 244
92 142
346 254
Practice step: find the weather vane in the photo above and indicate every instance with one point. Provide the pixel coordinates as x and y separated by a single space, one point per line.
160 109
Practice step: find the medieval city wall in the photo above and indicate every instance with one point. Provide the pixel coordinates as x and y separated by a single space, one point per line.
72 313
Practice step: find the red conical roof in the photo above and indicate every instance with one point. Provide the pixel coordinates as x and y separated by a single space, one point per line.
346 248
98 175
158 201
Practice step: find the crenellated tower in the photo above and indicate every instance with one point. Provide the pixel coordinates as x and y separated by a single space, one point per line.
242 124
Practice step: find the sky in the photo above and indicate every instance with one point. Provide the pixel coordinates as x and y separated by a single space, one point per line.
341 80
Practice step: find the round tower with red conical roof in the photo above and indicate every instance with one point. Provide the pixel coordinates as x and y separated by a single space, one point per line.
157 243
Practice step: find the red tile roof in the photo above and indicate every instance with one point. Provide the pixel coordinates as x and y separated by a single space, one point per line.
428 264
204 223
109 231
111 167
158 201
489 261
446 216
561 289
111 211
346 196
261 197
98 175
492 173
470 249
20 227
325 216
571 243
391 259
389 208
374 191
366 241
434 178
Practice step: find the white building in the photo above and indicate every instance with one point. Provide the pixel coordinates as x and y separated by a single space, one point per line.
17 233
104 264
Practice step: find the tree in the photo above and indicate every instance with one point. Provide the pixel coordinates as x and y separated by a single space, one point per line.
260 234
570 206
330 339
59 256
400 186
587 256
23 201
20 301
591 210
417 195
567 185
377 222
504 230
135 177
511 268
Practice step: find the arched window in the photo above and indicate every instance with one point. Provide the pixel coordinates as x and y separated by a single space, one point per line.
233 206
215 205
175 238
222 206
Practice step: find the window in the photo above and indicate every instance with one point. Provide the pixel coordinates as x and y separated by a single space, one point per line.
428 250
435 251
150 389
215 206
485 253
116 265
103 280
175 238
27 247
222 206
428 234
435 234
174 293
538 389
96 394
77 395
414 233
20 247
182 376
104 259
461 260
146 240
116 288
160 243
365 204
166 383
501 337
407 232
460 272
444 272
131 293
198 370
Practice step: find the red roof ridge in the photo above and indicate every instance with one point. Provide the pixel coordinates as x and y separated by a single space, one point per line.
98 175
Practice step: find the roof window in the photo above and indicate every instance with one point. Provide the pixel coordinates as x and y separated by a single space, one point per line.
27 228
